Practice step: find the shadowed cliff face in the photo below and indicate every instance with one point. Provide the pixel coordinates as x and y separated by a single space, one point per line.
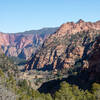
22 45
70 43
88 74
94 61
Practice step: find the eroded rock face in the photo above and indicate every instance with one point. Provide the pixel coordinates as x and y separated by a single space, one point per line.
22 45
62 49
19 45
94 61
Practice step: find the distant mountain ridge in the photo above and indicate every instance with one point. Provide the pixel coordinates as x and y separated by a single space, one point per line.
23 44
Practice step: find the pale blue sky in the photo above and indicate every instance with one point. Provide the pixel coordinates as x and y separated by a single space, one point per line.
22 15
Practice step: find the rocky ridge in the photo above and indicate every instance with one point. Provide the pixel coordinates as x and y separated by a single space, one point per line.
70 43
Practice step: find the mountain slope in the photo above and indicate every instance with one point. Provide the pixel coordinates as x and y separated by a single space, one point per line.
6 65
23 44
63 48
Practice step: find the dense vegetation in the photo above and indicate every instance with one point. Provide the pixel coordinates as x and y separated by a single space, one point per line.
7 64
23 90
17 61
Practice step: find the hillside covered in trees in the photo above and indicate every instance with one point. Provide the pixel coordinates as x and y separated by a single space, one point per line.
14 89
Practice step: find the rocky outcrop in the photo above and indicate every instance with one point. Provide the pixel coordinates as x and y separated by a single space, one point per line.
70 43
94 61
23 45
72 28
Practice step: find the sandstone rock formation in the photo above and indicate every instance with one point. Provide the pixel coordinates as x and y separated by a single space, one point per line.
70 43
22 45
